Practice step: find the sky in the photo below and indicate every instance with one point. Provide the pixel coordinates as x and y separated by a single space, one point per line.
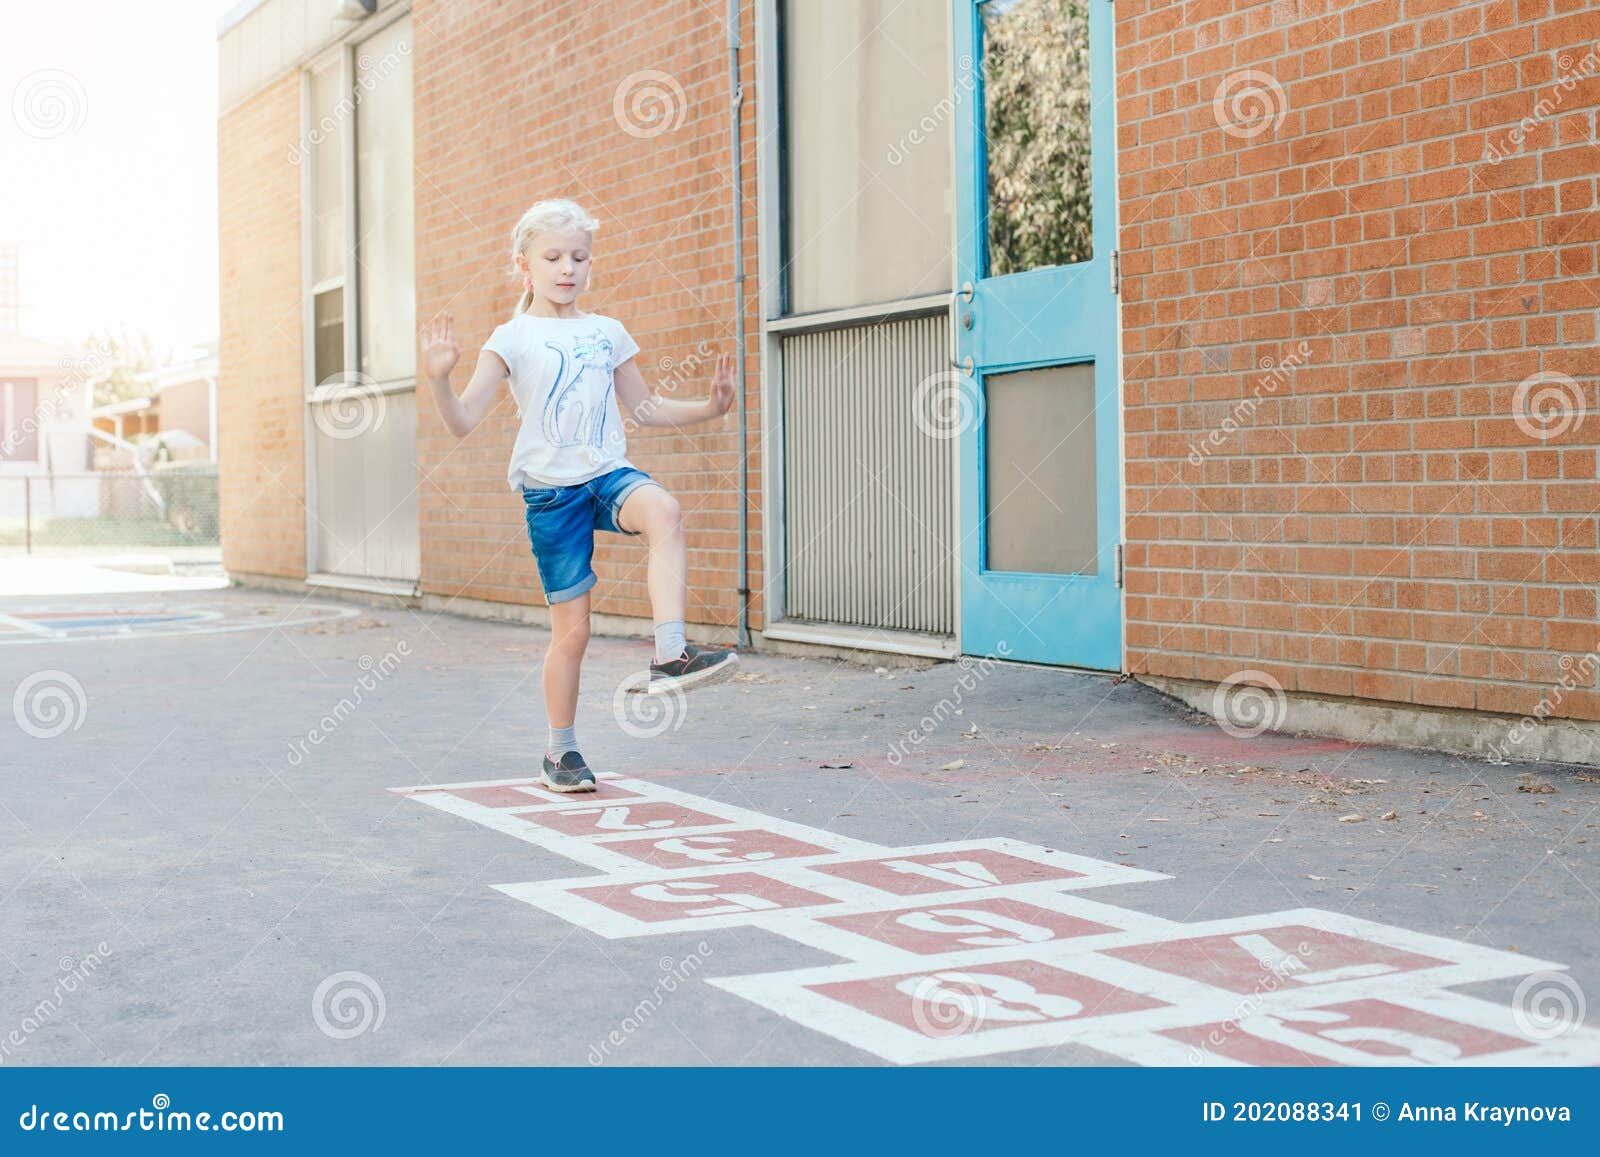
108 166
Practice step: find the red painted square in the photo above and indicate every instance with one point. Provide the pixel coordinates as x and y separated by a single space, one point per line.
528 793
925 872
1269 959
1388 1032
959 925
692 897
1004 994
614 819
752 846
1392 1030
1231 1042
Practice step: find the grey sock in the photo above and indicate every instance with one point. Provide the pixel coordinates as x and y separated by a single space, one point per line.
669 640
563 739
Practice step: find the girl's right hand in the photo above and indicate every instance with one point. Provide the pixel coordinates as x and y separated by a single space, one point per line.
439 349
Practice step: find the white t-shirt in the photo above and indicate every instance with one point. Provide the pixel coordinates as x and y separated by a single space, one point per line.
561 378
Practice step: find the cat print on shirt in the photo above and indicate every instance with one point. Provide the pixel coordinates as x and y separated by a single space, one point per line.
567 420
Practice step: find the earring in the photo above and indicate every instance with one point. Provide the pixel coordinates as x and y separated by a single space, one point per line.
527 283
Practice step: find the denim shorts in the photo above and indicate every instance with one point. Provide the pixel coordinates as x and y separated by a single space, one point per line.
561 525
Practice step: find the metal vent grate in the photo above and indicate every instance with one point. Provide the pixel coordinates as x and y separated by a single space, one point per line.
869 508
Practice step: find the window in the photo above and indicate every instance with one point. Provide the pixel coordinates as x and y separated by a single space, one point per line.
1036 134
386 283
360 151
866 138
19 420
326 155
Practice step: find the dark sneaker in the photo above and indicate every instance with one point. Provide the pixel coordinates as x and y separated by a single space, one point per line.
567 774
696 667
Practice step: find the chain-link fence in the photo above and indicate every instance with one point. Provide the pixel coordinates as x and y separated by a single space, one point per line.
171 511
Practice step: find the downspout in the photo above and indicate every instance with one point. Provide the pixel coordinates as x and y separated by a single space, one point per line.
736 95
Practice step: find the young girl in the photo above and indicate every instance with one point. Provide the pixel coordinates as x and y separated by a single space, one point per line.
567 371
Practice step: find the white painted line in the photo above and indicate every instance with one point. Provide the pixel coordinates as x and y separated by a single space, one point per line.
215 623
28 626
990 937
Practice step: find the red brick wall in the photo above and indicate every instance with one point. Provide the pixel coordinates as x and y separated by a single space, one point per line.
259 412
515 103
1381 524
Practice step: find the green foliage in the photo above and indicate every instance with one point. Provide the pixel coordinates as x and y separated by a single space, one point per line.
1036 98
119 360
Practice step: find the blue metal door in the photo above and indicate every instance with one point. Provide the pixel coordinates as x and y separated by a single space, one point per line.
1036 325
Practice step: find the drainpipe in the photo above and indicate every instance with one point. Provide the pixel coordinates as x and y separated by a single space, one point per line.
736 93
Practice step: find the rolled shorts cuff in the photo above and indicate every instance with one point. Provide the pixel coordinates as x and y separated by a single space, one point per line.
616 503
573 591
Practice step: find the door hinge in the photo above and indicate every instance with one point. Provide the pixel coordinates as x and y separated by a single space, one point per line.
1117 565
1116 271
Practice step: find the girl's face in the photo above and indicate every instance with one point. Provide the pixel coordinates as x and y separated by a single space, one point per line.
558 262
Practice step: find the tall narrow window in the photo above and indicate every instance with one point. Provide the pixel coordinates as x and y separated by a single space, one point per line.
19 420
330 109
1036 133
867 110
385 281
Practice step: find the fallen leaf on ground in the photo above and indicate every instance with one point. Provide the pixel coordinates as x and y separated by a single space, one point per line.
1388 815
840 765
1533 785
1316 877
1352 818
953 765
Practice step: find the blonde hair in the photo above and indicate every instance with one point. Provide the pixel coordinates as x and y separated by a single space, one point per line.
543 217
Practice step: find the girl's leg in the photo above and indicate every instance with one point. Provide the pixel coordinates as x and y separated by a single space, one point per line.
655 514
569 630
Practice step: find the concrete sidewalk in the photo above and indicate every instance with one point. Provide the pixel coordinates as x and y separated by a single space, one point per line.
203 860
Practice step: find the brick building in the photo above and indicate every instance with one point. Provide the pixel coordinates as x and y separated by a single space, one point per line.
1245 345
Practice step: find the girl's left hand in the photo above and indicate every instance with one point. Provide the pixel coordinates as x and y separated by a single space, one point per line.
722 387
